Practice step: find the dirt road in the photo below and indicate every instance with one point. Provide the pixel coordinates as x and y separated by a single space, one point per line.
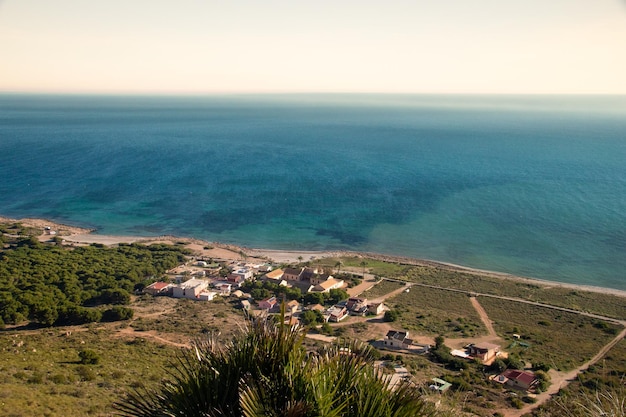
484 317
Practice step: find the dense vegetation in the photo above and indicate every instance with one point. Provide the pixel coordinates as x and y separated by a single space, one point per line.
56 285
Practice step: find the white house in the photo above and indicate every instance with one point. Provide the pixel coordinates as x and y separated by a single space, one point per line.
224 288
337 313
207 295
158 288
244 273
190 289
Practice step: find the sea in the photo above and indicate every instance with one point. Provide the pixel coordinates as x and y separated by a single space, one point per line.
533 186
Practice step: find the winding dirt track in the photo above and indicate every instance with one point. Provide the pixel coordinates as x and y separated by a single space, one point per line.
130 332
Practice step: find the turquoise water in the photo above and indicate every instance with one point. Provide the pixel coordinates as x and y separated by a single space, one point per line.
533 186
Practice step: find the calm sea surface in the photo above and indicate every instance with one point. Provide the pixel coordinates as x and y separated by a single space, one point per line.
534 186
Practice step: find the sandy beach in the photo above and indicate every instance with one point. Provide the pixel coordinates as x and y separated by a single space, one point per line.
82 236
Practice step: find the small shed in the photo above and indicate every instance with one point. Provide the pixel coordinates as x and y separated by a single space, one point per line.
440 385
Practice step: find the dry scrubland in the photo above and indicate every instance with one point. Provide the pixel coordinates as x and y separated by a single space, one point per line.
601 303
381 288
41 373
600 389
561 339
437 312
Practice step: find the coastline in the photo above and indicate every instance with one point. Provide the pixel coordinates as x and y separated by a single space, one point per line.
84 236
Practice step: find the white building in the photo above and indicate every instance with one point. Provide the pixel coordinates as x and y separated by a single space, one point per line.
207 295
190 289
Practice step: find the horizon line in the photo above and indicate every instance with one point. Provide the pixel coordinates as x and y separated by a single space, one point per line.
295 93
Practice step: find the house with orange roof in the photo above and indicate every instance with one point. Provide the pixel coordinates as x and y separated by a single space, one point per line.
326 286
158 288
275 275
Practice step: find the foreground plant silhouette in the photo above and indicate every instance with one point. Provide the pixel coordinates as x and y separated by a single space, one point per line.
265 371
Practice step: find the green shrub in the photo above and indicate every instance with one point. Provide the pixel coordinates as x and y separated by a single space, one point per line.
391 315
36 378
85 373
327 329
88 357
517 403
58 379
118 313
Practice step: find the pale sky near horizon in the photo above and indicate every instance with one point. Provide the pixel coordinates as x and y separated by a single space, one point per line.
241 46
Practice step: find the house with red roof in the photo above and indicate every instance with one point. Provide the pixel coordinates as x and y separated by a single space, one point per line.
268 303
522 380
158 288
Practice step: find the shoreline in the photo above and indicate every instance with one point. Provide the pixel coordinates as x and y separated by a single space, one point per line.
80 235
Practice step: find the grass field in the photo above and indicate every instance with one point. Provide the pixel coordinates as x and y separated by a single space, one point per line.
596 387
41 374
562 340
598 303
381 288
437 312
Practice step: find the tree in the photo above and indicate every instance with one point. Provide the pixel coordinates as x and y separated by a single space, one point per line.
311 317
439 341
498 365
315 298
391 315
337 294
118 313
266 371
260 294
73 315
338 266
88 357
115 296
363 264
514 361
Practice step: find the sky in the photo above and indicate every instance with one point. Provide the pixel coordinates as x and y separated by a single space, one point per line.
280 46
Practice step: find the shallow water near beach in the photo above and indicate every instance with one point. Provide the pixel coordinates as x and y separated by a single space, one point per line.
532 186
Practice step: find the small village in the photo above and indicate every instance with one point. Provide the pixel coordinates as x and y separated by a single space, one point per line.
204 279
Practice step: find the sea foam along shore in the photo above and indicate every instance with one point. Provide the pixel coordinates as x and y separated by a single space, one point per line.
79 235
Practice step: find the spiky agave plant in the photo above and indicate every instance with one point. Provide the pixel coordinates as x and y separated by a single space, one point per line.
265 371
